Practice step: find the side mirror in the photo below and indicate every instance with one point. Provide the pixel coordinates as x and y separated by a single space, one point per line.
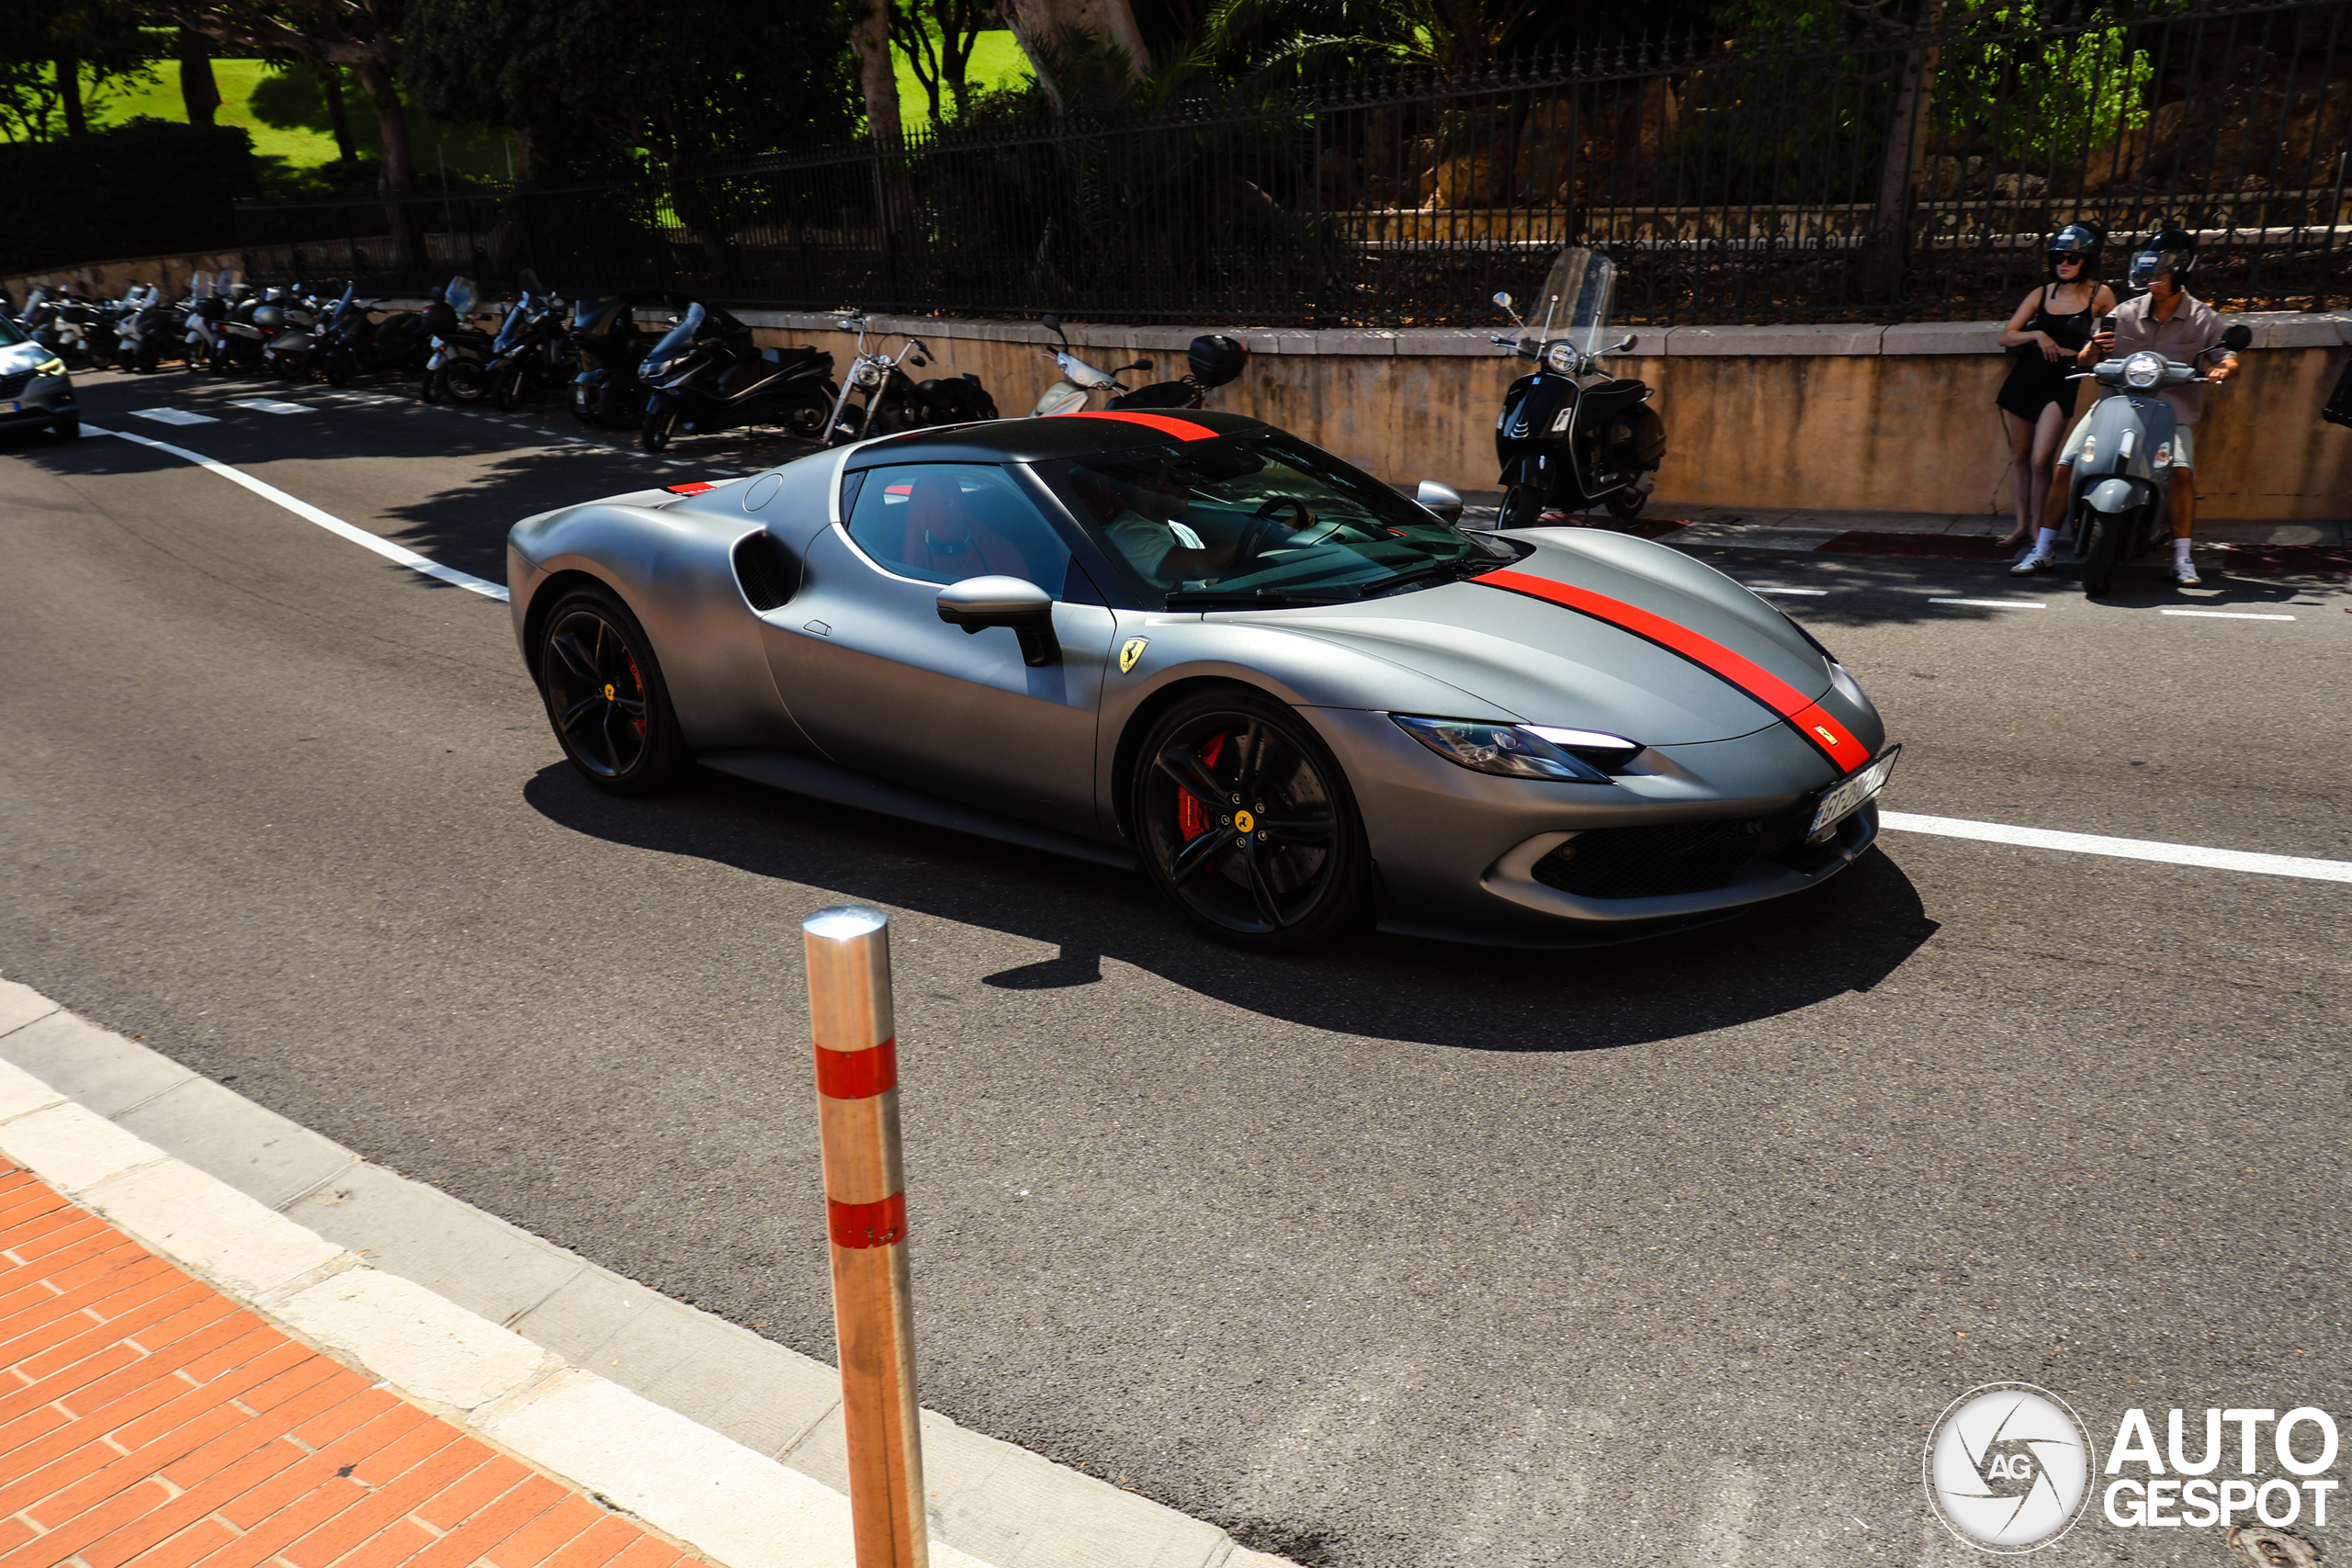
1138 364
1503 301
2237 337
1443 500
978 603
1626 345
1051 321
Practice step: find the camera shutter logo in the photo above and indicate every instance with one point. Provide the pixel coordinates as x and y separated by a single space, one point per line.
2008 1467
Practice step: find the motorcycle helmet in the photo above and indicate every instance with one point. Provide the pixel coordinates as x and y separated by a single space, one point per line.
2077 241
1216 359
2170 249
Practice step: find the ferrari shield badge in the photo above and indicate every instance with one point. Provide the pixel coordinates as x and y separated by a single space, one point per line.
1131 651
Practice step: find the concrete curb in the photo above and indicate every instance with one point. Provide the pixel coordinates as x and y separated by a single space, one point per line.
700 1429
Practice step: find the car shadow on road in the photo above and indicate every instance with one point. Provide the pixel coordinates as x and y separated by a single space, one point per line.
1847 935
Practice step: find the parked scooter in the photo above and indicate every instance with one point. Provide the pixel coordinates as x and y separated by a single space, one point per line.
609 346
1570 433
141 328
61 322
704 375
457 368
2119 502
1211 361
294 354
1079 380
532 351
208 307
894 401
354 342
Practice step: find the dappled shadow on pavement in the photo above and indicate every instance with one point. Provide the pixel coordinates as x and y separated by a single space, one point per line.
1845 936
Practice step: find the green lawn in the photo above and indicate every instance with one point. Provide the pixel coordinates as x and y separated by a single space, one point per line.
997 61
292 101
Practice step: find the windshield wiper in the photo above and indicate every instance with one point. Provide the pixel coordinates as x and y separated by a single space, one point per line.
1253 598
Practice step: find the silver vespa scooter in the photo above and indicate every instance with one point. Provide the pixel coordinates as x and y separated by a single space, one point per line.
2118 502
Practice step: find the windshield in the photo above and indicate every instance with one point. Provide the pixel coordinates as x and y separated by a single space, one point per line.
9 336
461 296
1574 303
1257 518
673 343
513 326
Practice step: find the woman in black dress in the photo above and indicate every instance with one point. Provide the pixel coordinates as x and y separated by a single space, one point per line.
2037 401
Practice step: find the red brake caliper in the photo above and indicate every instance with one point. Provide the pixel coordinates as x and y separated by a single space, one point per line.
1192 817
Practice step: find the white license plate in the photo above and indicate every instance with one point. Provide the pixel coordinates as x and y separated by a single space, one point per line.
1841 801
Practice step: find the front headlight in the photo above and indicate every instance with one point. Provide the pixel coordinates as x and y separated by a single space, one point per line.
1562 358
2143 369
52 366
866 376
1512 750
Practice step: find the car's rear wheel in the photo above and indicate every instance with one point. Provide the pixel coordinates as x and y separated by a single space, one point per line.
1246 824
606 698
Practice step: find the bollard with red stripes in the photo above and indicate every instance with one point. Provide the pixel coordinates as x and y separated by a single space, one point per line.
865 1207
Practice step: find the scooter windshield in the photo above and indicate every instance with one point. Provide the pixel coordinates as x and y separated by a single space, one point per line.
513 329
1575 298
673 343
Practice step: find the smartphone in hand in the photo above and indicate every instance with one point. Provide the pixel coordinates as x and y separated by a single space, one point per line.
2106 325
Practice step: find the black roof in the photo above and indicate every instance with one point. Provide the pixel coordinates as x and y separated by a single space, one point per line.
1083 435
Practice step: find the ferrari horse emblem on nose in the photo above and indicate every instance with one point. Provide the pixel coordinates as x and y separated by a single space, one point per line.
1131 651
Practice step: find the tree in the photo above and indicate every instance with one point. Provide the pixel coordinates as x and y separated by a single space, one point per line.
587 85
937 37
199 93
60 60
363 35
1048 27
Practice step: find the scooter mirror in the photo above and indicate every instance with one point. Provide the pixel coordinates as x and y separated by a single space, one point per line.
1051 321
1503 301
2237 337
1138 364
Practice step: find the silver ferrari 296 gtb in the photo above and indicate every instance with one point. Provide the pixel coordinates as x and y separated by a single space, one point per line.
1191 642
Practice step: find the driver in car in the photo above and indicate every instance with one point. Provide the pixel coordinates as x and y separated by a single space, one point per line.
1145 518
2168 321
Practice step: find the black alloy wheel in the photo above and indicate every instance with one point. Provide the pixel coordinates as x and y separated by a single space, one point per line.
1246 823
605 696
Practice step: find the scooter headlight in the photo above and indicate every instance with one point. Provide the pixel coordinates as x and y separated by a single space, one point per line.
2143 369
1561 357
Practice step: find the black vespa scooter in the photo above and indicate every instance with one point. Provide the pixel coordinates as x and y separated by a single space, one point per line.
1570 433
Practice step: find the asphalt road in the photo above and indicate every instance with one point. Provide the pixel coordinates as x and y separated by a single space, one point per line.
1396 1255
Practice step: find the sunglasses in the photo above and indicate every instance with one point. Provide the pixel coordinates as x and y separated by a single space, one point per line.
2067 261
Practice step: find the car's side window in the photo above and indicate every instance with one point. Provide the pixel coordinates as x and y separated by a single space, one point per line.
945 522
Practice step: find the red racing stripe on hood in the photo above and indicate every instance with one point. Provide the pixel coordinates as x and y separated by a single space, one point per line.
1807 718
1182 429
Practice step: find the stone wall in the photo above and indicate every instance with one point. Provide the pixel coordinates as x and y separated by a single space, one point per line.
107 279
1848 417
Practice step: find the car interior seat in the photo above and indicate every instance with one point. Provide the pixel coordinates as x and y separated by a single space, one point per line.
946 542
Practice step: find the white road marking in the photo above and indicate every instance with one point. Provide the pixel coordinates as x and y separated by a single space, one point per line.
2226 614
328 521
269 405
1995 603
1808 593
173 416
2125 849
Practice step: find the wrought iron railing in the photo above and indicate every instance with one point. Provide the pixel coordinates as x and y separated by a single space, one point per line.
1908 176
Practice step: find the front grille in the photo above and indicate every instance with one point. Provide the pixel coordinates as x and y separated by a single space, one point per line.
1671 857
14 386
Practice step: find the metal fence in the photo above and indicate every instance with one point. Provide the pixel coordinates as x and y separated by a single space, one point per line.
1908 176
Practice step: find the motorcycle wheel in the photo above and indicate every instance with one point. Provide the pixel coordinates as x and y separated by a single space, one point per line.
1626 505
511 387
468 384
584 407
341 365
435 387
807 420
2102 552
1521 508
660 428
150 356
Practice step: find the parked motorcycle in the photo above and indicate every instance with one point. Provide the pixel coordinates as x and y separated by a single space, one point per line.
294 355
1211 361
141 328
457 368
355 342
894 401
1079 380
1570 433
609 346
532 351
208 307
61 322
2118 503
704 375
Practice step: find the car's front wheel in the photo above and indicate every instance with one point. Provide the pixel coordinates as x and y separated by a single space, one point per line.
605 696
1246 823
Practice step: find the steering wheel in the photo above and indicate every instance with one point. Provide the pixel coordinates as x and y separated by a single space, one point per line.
1262 533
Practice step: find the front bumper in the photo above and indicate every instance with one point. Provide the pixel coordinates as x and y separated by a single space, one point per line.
41 401
1469 856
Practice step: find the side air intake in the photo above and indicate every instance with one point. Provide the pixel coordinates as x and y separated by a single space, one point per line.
769 573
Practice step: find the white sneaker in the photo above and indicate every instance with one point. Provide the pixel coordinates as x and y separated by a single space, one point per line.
2035 563
2184 573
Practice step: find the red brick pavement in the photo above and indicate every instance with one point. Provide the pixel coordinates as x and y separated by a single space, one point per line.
148 1421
